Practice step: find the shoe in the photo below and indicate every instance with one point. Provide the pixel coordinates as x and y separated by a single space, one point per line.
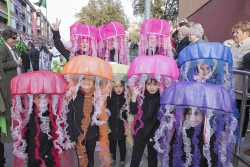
113 163
122 164
247 152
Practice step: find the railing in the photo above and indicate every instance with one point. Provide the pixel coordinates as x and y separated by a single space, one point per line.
245 97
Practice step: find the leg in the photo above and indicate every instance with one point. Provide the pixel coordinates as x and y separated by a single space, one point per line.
122 147
152 157
246 119
137 154
33 164
50 163
2 159
112 148
90 149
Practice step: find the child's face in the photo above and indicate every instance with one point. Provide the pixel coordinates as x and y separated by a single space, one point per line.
205 69
151 86
37 99
87 83
119 88
85 45
152 41
194 118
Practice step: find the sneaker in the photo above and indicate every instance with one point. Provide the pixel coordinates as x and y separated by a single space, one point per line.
122 164
113 163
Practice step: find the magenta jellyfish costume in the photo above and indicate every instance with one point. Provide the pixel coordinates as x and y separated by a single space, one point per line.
161 68
82 32
23 88
155 38
112 43
218 59
216 105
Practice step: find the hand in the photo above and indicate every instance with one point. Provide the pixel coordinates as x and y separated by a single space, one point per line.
55 26
19 62
26 160
73 144
135 93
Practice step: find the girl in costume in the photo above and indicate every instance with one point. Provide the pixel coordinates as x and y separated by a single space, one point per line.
83 40
154 38
203 122
39 119
112 43
118 104
147 83
89 81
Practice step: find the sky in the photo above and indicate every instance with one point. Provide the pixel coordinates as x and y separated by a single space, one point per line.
65 10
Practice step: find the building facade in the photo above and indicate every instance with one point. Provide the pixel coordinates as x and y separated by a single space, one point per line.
28 22
216 16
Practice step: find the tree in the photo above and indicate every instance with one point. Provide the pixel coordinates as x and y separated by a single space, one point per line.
165 9
99 12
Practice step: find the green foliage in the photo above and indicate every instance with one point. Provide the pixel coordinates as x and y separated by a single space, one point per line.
99 12
21 46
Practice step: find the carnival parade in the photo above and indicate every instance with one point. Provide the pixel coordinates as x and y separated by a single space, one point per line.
160 96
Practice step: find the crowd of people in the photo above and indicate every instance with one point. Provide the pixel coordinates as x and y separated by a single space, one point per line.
176 97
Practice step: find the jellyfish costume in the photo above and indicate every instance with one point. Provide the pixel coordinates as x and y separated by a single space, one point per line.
219 64
161 68
216 106
50 86
155 38
82 33
80 67
112 43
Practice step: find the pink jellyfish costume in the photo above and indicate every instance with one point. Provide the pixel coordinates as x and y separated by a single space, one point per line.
155 38
161 68
23 88
112 43
82 33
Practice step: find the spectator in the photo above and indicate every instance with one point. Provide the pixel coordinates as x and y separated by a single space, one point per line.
11 66
196 33
34 56
183 33
240 48
204 38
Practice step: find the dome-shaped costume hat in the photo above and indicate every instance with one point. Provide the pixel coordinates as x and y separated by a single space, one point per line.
80 67
217 136
155 38
161 68
51 87
112 44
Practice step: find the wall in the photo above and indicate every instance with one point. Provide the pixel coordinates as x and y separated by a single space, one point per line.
218 16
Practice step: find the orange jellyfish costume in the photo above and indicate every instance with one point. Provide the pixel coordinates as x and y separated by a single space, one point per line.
51 87
85 66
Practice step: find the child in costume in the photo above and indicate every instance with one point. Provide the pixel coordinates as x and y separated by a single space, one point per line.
203 122
155 38
147 83
39 119
88 87
117 104
112 43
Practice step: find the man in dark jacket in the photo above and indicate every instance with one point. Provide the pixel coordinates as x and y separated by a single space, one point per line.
34 56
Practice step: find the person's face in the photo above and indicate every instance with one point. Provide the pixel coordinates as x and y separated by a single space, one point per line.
151 86
119 88
110 43
84 45
194 118
152 41
87 83
239 35
180 36
11 41
192 38
205 70
37 99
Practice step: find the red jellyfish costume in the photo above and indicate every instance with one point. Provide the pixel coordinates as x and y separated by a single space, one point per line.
51 87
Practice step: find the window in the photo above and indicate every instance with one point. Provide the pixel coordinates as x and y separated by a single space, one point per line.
12 6
29 30
28 7
28 18
13 23
24 28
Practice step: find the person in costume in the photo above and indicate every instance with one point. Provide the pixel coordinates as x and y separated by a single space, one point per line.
117 104
39 119
83 40
112 43
147 83
88 89
155 38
